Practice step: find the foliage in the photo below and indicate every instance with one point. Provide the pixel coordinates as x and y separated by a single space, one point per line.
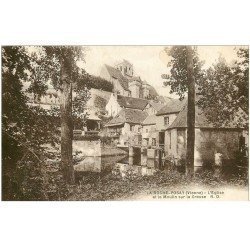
222 89
62 68
97 82
100 103
115 186
224 97
47 69
106 140
25 129
87 137
177 79
29 132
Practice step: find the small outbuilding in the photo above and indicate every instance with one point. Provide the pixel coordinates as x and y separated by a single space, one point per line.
210 141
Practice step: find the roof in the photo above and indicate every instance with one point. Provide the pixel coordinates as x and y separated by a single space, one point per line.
134 78
116 73
151 119
131 102
173 106
124 61
152 91
156 105
164 99
128 116
200 120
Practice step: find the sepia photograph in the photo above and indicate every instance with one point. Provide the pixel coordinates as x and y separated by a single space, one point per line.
115 123
124 125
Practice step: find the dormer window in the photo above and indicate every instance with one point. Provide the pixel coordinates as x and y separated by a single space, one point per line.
166 120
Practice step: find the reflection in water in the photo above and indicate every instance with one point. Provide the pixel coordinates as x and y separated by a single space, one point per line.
97 164
126 166
144 167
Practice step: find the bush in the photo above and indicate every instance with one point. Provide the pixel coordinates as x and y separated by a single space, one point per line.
86 137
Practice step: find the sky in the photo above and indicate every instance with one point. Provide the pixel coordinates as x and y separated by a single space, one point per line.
149 62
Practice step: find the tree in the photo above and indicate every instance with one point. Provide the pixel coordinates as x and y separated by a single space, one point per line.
25 129
65 75
28 129
190 113
185 71
224 96
177 78
97 82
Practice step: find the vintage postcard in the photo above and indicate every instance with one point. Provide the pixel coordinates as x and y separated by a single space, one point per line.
104 123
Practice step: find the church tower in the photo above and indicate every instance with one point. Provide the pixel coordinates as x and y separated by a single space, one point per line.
126 68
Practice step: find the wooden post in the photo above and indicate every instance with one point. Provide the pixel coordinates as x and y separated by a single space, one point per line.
190 113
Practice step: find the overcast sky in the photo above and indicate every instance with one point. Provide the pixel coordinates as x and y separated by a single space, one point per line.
149 62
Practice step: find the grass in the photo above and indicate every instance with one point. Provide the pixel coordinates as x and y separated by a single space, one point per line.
112 186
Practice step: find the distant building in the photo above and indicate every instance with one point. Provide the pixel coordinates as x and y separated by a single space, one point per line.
125 82
169 112
153 107
47 101
160 117
126 126
51 99
117 102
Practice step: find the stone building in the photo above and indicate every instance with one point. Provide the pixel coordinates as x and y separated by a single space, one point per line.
125 82
209 140
117 102
126 126
160 117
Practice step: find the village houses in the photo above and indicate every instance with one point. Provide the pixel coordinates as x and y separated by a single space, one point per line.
154 126
138 116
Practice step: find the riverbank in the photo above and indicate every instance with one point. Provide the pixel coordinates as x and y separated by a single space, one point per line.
163 185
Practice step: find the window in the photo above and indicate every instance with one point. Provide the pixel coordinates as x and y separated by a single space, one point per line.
132 127
153 142
166 120
146 130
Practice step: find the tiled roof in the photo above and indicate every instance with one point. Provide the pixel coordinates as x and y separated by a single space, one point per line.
200 120
129 116
116 73
131 102
151 119
156 105
173 106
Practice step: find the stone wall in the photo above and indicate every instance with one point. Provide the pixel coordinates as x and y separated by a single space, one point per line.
160 121
87 147
208 142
